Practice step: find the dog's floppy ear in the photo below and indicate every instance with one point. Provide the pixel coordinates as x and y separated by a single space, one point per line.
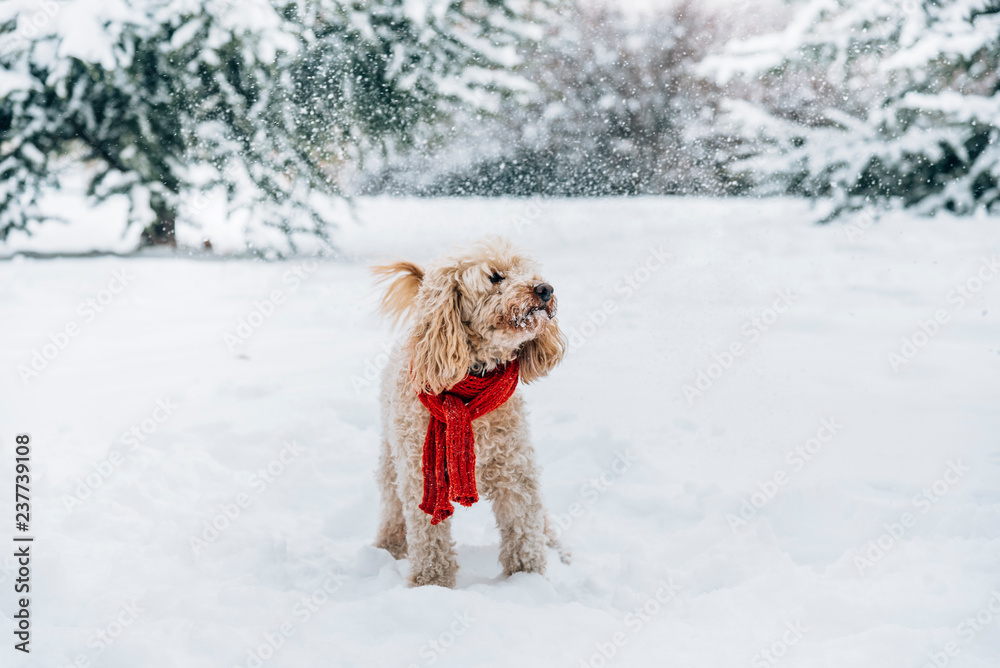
439 345
539 355
401 293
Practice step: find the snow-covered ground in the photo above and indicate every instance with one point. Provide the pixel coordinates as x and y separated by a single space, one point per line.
741 473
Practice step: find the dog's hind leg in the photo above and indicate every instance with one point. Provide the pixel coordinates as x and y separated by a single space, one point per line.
392 524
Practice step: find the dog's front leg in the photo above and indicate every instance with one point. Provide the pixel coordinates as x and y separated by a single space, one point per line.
431 550
520 517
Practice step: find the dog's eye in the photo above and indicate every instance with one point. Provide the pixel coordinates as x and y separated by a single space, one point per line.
496 277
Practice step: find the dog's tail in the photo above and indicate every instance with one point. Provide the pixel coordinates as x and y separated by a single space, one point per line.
399 296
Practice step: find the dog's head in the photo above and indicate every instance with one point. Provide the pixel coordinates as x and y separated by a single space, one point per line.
472 310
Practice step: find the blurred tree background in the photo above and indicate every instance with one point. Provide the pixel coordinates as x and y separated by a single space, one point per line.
286 105
617 108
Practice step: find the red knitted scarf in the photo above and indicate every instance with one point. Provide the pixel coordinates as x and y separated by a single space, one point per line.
449 449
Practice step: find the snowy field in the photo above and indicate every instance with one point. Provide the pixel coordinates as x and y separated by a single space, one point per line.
771 444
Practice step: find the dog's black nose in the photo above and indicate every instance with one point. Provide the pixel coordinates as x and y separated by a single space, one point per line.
544 290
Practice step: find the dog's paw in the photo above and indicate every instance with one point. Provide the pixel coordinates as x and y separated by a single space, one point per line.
396 548
432 576
565 556
552 540
523 562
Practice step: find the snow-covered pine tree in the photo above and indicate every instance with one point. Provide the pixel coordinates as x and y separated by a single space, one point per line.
893 102
163 100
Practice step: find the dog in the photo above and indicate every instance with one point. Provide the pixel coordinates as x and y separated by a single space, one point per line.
476 315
